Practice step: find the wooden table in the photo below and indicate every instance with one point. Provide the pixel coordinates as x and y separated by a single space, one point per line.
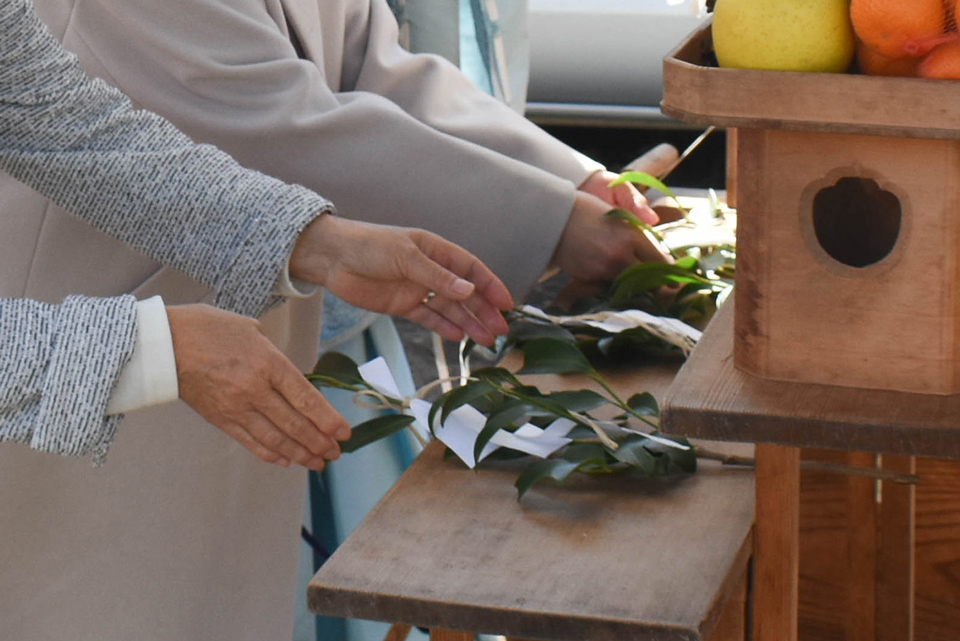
597 558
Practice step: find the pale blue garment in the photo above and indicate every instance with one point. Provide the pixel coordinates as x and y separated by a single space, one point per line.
486 38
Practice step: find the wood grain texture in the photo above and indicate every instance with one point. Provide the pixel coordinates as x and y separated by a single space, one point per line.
937 554
895 565
712 399
701 94
776 544
802 314
838 541
597 558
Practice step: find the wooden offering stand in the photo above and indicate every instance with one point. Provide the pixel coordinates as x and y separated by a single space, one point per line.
845 328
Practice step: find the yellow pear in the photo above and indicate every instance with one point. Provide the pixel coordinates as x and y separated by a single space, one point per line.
784 35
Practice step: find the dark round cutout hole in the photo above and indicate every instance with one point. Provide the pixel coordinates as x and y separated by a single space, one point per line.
856 222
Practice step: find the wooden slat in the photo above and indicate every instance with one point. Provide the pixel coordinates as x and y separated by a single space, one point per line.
838 542
895 566
937 593
732 625
701 94
776 544
711 399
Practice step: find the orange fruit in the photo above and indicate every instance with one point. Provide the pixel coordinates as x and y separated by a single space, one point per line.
899 28
873 63
942 62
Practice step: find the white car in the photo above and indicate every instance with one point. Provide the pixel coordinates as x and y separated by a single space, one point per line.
600 61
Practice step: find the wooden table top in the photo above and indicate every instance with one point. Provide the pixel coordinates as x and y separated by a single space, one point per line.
711 399
596 558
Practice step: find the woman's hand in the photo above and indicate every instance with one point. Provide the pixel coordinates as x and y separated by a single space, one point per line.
404 272
624 196
235 378
595 249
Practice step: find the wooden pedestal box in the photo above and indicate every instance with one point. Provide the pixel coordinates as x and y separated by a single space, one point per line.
848 200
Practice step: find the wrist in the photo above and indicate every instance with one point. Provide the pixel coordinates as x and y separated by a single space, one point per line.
307 259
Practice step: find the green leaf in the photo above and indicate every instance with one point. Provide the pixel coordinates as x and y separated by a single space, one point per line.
685 460
525 330
510 413
374 430
463 395
496 375
627 217
633 452
556 469
642 178
644 404
553 356
339 367
582 400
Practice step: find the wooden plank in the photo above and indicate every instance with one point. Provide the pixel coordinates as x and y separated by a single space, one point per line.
838 542
937 550
398 632
696 92
712 399
732 625
598 558
895 566
776 557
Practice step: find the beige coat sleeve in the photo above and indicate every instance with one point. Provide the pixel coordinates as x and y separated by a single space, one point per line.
408 151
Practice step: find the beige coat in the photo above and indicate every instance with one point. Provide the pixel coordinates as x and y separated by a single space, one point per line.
183 534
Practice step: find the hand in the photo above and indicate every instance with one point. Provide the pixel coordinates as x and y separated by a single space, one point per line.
624 196
593 248
234 377
392 270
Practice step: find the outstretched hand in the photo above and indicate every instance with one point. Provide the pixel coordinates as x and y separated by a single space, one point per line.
404 272
234 377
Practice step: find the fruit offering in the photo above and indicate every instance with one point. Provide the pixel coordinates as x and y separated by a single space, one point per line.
784 35
915 38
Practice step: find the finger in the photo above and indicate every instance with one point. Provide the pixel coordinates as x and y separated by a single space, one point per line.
488 316
448 266
646 252
627 197
240 435
423 315
298 427
460 316
272 438
310 405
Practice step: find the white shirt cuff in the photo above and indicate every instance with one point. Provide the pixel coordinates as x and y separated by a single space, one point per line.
150 376
293 287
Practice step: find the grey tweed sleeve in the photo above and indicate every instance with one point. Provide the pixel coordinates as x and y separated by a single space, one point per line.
134 176
58 367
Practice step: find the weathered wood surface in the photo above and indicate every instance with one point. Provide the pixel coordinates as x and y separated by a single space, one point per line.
701 94
597 558
803 315
712 399
776 552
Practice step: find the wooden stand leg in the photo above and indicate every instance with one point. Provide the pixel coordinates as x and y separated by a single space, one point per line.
895 558
776 543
